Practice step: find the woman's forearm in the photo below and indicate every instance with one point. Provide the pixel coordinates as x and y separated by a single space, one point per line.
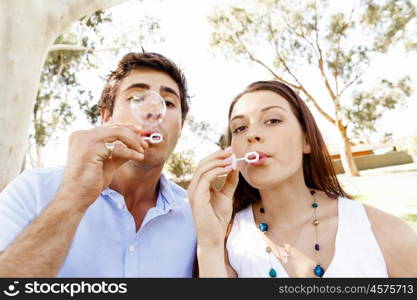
212 262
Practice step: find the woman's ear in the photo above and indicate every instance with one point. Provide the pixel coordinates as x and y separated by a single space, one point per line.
105 114
306 146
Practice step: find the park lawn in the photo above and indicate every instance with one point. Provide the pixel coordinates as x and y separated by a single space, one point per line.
392 189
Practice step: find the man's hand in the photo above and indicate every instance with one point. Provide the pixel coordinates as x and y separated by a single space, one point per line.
89 169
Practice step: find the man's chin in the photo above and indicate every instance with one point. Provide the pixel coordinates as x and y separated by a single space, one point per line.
147 163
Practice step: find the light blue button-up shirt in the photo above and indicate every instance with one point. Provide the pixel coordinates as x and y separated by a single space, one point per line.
106 243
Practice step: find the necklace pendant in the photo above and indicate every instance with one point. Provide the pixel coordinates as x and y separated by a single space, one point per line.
286 255
263 227
272 273
318 271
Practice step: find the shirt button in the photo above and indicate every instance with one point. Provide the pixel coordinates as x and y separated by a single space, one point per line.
120 206
131 248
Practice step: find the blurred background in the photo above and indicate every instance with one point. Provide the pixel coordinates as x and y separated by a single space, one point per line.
353 62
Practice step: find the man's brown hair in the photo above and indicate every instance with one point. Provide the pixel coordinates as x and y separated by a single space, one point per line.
145 60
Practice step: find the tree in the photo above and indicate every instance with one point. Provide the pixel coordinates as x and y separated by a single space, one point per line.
62 92
291 38
59 83
180 164
27 30
194 134
369 105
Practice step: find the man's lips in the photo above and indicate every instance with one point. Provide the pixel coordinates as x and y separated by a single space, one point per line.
149 132
153 137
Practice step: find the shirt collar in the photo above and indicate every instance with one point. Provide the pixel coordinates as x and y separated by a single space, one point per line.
165 200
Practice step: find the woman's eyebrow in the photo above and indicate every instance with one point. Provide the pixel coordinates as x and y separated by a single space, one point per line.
273 106
262 110
237 117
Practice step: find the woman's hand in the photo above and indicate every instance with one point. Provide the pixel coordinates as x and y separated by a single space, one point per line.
212 209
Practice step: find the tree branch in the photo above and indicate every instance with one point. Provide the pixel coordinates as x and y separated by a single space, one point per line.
355 79
301 35
65 47
66 12
308 95
299 87
323 74
254 59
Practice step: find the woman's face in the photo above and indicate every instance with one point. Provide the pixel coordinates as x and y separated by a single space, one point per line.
263 121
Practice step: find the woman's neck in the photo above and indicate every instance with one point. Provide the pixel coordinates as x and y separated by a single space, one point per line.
286 204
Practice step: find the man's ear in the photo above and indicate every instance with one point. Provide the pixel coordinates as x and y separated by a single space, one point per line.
306 145
105 114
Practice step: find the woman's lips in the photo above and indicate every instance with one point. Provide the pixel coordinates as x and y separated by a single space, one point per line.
262 158
260 161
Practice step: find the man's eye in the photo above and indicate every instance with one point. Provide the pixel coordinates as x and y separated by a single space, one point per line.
169 104
136 98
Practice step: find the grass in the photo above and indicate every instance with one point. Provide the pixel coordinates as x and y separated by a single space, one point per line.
392 189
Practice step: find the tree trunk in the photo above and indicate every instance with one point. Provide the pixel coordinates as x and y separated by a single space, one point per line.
39 157
27 30
346 155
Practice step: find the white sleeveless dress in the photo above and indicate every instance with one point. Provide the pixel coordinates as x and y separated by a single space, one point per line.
357 253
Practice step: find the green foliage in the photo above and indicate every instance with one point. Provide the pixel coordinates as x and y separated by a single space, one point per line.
338 41
180 164
369 106
395 19
59 84
62 94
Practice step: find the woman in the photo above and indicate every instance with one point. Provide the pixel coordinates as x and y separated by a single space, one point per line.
286 215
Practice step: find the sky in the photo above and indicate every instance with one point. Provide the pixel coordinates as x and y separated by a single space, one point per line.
213 80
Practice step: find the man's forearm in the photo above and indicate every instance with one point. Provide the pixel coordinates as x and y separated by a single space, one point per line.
41 248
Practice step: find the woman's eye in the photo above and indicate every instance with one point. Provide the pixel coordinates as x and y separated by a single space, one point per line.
239 129
273 121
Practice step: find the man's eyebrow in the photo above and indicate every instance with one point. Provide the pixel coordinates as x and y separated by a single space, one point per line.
167 89
142 86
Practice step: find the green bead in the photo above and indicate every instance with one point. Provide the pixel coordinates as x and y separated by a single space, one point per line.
272 273
263 227
318 271
314 205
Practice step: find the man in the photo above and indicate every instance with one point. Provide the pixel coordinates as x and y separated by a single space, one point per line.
110 212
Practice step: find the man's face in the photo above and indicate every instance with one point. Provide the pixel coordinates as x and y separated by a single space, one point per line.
170 127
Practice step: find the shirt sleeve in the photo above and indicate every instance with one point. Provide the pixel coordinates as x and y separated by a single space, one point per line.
18 206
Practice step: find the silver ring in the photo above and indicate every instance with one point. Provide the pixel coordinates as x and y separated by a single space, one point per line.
110 148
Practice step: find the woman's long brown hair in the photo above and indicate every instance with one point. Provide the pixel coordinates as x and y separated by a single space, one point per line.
317 166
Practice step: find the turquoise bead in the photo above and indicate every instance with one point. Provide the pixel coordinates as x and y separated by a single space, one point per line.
263 227
318 271
272 273
314 205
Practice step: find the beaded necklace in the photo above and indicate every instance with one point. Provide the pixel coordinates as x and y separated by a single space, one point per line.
318 269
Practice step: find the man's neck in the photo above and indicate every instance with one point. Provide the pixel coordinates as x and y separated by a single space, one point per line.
138 186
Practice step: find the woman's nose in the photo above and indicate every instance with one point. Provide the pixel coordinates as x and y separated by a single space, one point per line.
254 138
